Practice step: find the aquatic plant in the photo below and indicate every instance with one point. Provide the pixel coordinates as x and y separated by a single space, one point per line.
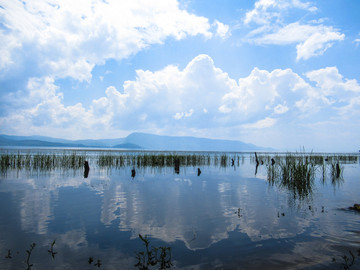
8 256
151 257
29 251
51 250
161 159
348 262
41 161
295 173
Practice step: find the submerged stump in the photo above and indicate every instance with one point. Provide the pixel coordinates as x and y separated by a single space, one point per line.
338 170
356 207
86 169
177 165
133 173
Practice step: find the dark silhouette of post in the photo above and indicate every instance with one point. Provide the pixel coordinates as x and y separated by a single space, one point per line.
338 170
272 161
133 172
199 171
257 163
86 169
177 165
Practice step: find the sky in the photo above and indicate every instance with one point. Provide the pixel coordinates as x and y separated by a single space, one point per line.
276 73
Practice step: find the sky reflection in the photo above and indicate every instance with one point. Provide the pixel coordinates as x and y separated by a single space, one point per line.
224 208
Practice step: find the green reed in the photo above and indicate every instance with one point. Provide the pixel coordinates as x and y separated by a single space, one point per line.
297 172
41 161
159 159
293 172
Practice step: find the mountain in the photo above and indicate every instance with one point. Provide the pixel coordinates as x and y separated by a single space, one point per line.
136 141
127 146
32 142
187 143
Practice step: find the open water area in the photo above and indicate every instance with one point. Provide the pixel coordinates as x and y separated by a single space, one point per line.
195 210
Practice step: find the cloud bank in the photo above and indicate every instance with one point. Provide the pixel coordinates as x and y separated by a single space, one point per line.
201 100
67 38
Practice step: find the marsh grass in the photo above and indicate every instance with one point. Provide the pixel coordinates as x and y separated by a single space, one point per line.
74 160
291 168
41 161
297 172
162 159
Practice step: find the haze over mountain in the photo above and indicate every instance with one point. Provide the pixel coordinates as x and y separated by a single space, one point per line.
135 141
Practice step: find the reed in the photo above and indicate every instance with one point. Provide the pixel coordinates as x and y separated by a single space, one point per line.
295 173
41 161
160 160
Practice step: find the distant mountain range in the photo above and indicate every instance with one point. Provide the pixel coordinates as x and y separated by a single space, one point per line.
135 141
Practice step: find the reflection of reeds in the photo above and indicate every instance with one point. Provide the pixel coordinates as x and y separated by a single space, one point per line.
29 251
151 257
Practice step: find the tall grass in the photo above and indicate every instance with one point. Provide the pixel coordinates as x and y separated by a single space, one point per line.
41 161
161 159
74 160
297 172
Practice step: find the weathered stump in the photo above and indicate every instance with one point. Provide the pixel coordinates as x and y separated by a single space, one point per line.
177 165
86 169
133 173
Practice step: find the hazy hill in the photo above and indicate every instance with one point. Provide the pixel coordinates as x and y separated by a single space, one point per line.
136 141
186 143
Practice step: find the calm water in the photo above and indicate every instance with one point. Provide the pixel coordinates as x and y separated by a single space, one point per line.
225 218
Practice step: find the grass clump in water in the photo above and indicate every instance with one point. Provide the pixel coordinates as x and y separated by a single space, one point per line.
295 173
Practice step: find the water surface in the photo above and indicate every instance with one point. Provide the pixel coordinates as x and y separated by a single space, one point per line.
226 218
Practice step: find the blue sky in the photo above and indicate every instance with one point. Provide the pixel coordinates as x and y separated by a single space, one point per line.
283 74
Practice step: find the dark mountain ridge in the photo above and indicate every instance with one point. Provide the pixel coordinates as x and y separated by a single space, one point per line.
136 141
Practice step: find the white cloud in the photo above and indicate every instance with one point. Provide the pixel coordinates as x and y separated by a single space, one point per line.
262 91
280 109
222 30
199 100
331 81
260 124
311 39
317 44
178 116
68 38
266 11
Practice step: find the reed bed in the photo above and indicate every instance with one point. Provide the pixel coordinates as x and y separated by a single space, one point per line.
297 172
289 167
75 160
41 161
162 160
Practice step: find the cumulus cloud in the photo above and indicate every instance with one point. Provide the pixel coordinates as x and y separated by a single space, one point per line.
222 30
262 91
199 99
312 38
68 38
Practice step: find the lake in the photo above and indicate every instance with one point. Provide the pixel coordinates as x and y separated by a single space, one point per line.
194 210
